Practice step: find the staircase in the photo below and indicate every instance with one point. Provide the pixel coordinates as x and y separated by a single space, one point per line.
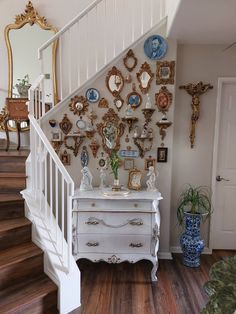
24 288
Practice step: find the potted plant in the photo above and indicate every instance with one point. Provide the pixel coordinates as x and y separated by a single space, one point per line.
194 207
114 162
23 86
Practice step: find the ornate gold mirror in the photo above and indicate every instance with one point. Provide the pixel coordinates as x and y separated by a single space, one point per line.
115 81
111 130
145 77
78 105
23 38
130 61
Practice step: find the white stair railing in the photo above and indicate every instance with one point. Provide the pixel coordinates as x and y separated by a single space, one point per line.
51 186
97 36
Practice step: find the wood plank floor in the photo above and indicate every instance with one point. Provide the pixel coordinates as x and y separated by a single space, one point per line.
126 289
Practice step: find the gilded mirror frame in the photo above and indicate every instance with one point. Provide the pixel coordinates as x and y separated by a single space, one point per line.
31 17
111 117
145 67
117 73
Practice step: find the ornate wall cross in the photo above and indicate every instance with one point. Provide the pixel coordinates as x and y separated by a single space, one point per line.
195 90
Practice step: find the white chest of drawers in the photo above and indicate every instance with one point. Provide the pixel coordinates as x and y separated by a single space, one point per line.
116 229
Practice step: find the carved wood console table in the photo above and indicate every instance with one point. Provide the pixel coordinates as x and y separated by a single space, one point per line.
117 229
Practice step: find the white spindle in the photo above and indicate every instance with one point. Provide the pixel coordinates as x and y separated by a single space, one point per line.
132 23
51 184
105 32
151 14
142 17
45 181
87 46
57 200
62 215
70 60
78 52
96 39
114 28
60 68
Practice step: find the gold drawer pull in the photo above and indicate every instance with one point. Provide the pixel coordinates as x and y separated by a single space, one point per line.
92 244
136 222
92 221
135 205
93 204
136 244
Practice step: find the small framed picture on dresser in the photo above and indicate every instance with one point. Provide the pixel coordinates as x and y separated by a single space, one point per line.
162 153
128 163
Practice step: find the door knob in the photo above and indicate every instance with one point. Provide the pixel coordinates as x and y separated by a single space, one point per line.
219 178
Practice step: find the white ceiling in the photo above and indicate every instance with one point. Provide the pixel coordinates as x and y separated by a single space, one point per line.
205 22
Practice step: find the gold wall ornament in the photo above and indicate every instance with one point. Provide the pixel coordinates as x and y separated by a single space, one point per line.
65 124
163 124
163 99
65 158
78 105
134 99
165 72
195 90
94 147
115 81
56 145
148 112
130 61
145 77
118 102
111 130
78 140
103 103
31 17
130 121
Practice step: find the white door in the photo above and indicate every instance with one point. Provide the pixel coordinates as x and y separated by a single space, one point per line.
224 169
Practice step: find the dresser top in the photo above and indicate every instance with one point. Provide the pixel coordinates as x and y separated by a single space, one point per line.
97 193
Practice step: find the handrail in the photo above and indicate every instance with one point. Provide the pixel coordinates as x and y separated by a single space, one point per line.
56 159
67 26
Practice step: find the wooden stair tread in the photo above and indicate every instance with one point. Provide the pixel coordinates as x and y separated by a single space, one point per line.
10 197
18 253
23 294
12 175
9 224
17 153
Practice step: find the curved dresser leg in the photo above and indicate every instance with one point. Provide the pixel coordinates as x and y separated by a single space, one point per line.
154 270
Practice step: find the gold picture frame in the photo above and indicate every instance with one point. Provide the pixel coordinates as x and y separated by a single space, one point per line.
128 163
165 72
149 162
65 158
134 180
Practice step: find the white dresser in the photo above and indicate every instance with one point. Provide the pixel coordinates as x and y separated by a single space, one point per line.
116 228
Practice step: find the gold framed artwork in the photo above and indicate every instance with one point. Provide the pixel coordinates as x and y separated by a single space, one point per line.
162 154
149 162
128 163
163 99
65 158
165 72
134 180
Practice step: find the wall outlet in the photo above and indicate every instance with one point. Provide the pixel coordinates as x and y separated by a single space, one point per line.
47 76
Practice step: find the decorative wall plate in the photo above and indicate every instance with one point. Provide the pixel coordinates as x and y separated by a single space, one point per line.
78 105
65 125
92 95
128 153
165 72
163 99
145 77
84 157
155 47
130 61
81 124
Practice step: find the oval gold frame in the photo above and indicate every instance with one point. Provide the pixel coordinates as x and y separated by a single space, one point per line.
32 17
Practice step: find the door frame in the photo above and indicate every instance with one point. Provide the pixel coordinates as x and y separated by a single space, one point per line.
221 82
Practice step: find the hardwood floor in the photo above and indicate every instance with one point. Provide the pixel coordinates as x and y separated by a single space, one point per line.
126 289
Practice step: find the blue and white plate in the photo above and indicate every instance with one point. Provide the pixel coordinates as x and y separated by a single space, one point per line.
155 47
92 95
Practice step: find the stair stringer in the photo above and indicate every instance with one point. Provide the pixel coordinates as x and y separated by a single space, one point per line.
66 281
162 24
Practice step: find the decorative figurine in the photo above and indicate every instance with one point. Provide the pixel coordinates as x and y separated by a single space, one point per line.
86 182
102 178
151 182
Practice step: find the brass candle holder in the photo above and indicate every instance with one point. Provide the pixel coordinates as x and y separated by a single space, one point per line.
148 112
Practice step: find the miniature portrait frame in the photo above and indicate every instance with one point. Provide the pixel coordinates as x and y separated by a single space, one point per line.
162 153
128 163
65 158
149 162
134 180
165 72
56 136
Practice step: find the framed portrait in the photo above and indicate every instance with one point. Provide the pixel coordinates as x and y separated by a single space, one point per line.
128 163
56 136
165 72
149 162
155 47
92 95
162 153
134 180
134 99
163 99
65 158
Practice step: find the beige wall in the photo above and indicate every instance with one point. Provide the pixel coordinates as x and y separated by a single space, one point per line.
196 63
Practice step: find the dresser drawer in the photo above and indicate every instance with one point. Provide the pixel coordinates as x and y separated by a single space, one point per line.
114 205
128 223
114 243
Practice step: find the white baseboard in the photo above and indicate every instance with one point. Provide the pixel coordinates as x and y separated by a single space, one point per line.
165 255
177 249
